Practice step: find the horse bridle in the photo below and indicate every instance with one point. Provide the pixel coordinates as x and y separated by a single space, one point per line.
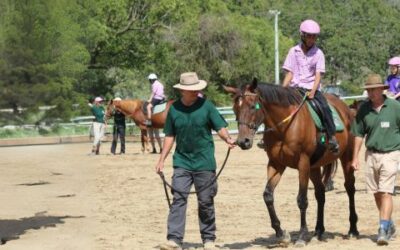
253 126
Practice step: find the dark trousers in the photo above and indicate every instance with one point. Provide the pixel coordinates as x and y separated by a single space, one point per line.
183 180
118 131
327 117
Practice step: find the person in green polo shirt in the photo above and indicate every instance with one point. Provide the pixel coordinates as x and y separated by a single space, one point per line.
98 124
379 120
189 122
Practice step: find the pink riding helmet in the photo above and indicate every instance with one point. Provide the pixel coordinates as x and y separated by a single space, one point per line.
394 61
310 27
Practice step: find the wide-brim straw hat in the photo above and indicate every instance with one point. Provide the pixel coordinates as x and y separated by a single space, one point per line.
190 81
374 81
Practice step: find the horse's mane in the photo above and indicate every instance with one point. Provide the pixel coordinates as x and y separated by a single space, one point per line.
276 94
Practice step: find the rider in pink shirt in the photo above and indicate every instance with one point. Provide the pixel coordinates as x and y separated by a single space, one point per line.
305 66
157 96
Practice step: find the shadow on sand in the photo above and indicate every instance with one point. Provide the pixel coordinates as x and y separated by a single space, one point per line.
270 242
12 229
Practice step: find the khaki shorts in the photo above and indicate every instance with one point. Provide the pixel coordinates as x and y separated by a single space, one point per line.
381 170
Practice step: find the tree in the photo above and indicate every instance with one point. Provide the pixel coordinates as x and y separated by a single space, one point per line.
41 58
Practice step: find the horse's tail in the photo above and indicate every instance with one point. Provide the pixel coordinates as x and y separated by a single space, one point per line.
328 173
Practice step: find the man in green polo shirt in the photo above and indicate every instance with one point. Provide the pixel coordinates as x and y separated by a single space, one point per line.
379 120
189 123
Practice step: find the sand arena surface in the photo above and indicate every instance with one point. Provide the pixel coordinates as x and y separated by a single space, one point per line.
58 197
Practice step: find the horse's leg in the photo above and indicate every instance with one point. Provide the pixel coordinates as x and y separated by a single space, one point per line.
319 192
349 184
274 175
302 201
142 139
151 135
145 140
157 136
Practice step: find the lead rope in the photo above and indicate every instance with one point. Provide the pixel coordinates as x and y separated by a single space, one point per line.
165 183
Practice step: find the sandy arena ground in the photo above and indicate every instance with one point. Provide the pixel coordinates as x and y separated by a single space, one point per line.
58 197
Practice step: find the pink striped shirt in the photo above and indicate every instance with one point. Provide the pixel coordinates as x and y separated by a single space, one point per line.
158 90
304 66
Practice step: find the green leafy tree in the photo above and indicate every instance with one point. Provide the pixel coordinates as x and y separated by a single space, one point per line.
41 58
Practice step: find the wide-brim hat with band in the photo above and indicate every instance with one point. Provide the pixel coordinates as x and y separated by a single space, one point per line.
374 81
190 81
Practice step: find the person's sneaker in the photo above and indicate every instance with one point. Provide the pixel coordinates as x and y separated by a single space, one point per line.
209 245
170 245
147 123
260 144
383 239
92 153
392 232
333 145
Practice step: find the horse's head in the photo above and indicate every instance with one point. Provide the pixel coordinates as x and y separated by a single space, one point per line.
355 106
249 113
109 110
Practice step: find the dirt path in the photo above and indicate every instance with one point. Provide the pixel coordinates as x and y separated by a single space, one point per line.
58 197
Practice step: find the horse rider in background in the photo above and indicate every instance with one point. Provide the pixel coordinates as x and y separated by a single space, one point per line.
393 80
157 96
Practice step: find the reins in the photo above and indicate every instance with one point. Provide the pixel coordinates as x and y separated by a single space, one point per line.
165 183
287 119
254 127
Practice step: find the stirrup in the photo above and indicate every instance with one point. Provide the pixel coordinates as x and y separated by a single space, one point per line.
333 146
147 123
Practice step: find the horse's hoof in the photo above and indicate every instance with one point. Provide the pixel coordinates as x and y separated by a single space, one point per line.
284 240
329 187
300 243
317 238
353 235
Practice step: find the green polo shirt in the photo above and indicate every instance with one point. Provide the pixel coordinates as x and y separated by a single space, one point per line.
191 126
98 112
381 128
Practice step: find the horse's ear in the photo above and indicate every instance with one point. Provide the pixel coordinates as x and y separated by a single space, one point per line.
231 90
253 85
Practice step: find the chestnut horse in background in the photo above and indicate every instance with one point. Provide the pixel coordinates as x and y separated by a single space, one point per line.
290 140
133 109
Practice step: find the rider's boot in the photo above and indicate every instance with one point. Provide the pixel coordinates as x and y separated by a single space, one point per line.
148 123
333 145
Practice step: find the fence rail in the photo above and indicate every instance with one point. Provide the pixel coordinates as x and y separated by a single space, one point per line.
225 111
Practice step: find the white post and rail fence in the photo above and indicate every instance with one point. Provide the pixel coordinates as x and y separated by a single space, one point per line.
133 135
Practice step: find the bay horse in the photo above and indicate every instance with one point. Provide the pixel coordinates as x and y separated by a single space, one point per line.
133 108
290 140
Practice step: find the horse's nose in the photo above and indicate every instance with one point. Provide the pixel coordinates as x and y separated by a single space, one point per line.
245 143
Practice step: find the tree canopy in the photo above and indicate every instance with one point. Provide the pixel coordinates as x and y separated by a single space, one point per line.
65 52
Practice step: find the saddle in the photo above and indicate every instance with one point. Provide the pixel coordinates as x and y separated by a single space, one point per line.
316 114
156 109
